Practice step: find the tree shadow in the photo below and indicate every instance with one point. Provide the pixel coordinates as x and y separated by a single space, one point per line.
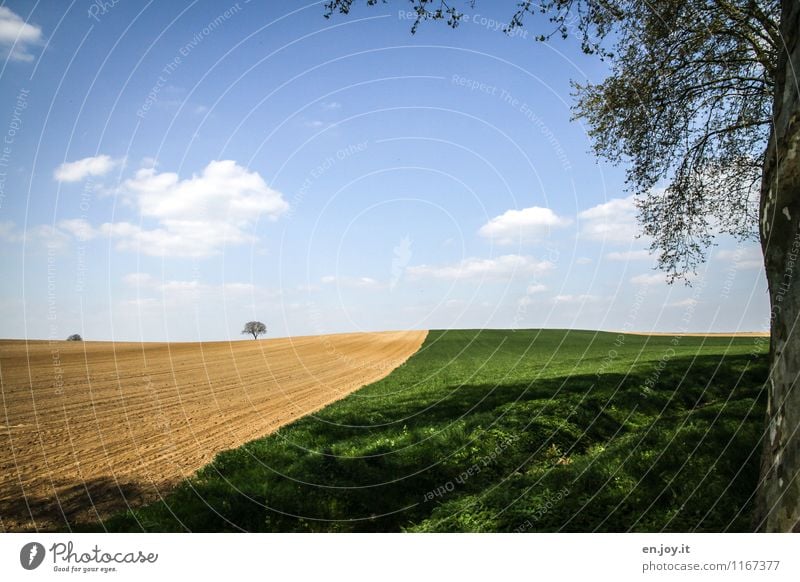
75 504
620 441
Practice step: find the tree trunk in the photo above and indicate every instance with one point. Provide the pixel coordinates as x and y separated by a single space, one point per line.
779 487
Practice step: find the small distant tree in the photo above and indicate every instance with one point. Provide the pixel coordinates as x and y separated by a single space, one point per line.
254 328
75 337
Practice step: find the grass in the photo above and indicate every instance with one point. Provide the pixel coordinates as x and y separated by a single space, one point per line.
533 430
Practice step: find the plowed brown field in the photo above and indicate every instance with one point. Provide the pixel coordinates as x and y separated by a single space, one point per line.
88 427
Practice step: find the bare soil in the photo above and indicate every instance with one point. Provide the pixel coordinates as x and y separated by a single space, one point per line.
87 428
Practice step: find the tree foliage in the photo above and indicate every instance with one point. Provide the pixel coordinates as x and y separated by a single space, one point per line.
254 328
75 337
686 107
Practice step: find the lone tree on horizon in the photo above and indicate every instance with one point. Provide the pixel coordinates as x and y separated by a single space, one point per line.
702 107
75 337
254 328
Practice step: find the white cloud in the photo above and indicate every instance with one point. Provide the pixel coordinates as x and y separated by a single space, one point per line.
9 233
42 235
613 221
580 299
330 105
182 286
684 303
197 216
47 235
528 224
307 288
224 187
358 282
639 255
238 288
534 289
141 303
743 257
583 261
174 295
82 169
525 301
498 268
17 36
139 280
118 229
652 279
173 287
78 228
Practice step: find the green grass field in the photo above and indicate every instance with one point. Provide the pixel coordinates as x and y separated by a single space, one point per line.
481 431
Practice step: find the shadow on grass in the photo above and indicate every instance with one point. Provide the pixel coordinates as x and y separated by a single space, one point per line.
577 453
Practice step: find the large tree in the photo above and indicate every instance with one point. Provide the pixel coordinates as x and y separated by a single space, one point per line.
701 106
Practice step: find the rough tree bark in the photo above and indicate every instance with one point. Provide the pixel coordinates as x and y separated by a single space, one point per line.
779 490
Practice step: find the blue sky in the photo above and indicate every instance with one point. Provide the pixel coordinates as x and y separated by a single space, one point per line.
170 172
